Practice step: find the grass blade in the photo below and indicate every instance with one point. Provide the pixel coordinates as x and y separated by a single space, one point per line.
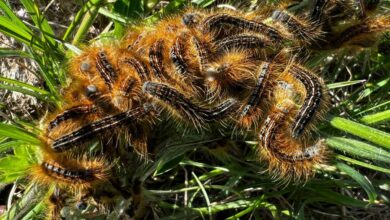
40 22
92 9
359 148
363 164
371 134
376 118
17 134
6 52
344 84
359 178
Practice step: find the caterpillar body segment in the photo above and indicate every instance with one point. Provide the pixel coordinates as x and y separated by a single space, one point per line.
314 102
71 113
364 34
301 29
139 66
217 22
288 158
69 173
242 41
86 132
176 101
257 104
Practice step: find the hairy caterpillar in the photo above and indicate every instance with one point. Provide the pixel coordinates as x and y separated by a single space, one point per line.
202 69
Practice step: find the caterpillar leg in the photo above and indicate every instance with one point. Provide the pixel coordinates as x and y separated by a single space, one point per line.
288 158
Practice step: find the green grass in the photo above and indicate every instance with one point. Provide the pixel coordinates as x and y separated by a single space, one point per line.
200 181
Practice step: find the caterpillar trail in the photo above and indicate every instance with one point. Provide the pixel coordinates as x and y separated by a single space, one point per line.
207 69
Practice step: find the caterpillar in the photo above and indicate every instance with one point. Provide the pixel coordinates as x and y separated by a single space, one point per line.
202 69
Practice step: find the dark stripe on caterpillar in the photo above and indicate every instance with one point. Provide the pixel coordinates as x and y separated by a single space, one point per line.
136 42
191 19
240 41
71 175
271 127
312 101
255 97
68 141
156 58
178 56
140 68
295 26
188 109
216 22
203 52
105 69
72 113
128 86
354 31
318 10
222 110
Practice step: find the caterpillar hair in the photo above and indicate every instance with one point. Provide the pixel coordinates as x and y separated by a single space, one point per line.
364 32
214 23
179 58
71 113
140 67
314 98
242 41
176 101
258 90
68 141
68 173
303 30
156 59
233 74
288 158
105 69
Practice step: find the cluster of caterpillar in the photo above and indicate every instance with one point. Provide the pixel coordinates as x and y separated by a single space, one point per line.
203 69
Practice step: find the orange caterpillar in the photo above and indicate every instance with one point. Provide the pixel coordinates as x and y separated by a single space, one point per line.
202 69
